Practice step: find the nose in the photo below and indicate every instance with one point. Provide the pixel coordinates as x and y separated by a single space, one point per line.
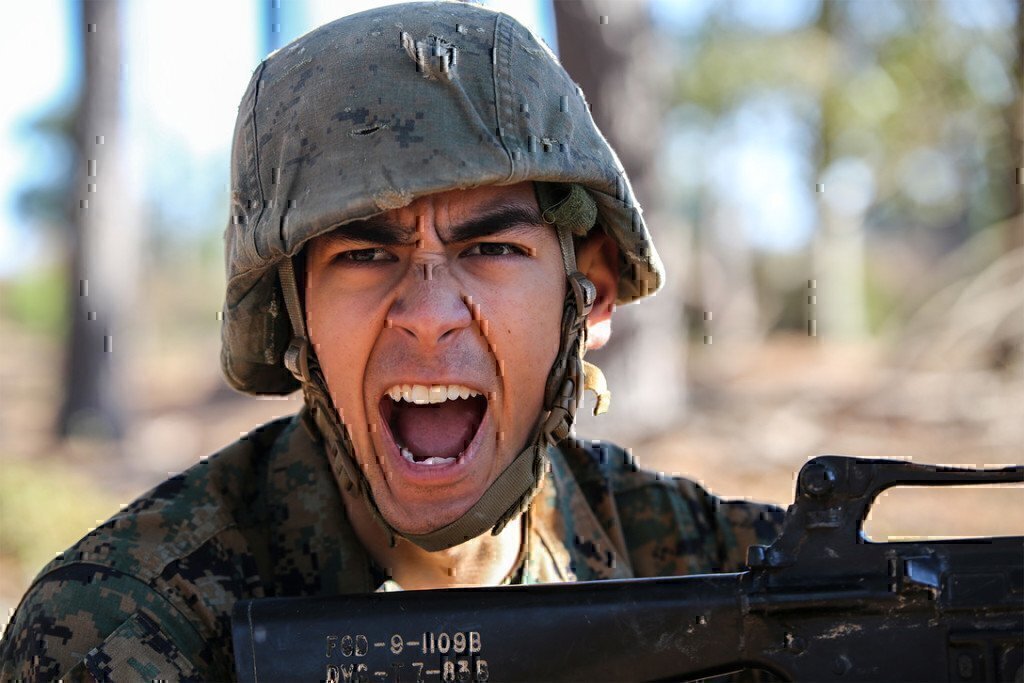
430 306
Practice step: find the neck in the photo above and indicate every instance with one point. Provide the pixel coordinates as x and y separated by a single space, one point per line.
482 561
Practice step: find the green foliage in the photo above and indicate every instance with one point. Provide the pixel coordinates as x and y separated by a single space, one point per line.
730 66
44 509
881 97
37 300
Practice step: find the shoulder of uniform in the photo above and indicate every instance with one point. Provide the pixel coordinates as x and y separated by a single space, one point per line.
590 458
150 554
670 524
615 465
75 611
748 523
180 514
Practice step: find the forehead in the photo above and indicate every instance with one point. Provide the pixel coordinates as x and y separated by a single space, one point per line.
458 204
457 215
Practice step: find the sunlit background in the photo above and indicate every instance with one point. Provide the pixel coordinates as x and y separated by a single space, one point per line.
834 186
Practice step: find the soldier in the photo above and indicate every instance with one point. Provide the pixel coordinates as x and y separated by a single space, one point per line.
427 232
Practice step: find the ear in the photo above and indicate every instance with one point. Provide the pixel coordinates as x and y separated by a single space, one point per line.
598 258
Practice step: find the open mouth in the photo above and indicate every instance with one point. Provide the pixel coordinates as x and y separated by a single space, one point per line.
432 425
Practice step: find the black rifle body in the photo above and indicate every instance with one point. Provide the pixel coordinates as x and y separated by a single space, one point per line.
819 604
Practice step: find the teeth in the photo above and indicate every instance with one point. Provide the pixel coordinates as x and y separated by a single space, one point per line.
407 454
421 394
436 461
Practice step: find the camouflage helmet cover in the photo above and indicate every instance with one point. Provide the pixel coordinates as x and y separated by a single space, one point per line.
367 113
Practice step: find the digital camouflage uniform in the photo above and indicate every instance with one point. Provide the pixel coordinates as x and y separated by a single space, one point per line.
148 595
359 117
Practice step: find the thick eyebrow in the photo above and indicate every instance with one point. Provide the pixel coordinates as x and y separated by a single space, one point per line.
501 219
373 230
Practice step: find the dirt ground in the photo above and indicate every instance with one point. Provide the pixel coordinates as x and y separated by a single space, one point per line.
745 433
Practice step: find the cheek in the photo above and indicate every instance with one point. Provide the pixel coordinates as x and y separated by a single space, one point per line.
342 338
531 327
546 304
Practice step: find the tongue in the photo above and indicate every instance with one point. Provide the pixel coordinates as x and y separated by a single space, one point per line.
438 430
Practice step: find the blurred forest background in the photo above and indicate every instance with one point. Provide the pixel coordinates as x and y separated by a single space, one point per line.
835 187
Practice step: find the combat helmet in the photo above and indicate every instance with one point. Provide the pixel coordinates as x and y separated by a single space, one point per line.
364 115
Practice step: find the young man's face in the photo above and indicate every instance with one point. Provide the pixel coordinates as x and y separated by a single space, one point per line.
452 306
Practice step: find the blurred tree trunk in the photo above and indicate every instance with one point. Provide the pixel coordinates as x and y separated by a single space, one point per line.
610 49
840 311
104 243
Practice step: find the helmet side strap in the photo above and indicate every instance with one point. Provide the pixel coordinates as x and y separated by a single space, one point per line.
296 357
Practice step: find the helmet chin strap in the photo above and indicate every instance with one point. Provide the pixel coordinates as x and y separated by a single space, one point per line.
511 492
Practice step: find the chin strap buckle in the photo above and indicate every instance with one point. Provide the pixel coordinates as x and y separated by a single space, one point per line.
296 359
558 423
584 293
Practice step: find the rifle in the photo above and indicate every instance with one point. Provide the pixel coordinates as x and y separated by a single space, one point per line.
821 603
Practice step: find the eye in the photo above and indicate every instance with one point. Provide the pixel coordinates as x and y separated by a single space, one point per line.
360 256
494 249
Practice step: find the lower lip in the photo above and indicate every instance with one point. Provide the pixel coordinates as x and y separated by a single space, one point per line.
445 473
